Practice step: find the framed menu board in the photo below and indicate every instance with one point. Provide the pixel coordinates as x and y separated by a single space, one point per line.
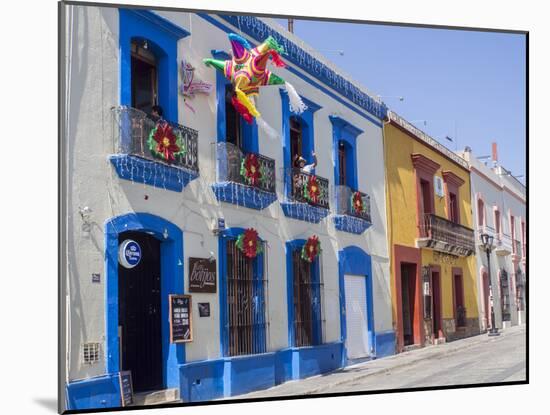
180 318
126 388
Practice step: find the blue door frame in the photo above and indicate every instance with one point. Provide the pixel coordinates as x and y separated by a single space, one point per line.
171 250
354 261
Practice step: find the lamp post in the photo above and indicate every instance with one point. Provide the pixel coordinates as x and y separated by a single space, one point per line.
487 242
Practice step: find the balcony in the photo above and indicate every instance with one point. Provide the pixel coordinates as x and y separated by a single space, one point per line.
352 210
244 179
503 245
169 162
307 197
445 236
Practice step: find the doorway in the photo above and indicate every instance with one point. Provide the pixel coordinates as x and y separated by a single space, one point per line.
460 311
144 77
357 339
408 306
436 304
139 314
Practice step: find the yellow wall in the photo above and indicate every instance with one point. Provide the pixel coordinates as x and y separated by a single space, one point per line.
402 205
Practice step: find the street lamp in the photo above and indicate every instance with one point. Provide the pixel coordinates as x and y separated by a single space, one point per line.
487 242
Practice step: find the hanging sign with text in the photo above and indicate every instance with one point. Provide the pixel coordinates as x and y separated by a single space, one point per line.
180 318
202 275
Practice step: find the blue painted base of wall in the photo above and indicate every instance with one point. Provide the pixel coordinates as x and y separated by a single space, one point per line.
385 343
94 393
303 211
137 169
241 195
351 224
232 376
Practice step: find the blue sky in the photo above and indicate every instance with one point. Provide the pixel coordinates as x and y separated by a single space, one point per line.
475 80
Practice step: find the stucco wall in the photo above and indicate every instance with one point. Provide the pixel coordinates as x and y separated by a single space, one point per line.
93 90
402 215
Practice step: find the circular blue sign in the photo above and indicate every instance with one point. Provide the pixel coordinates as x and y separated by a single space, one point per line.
129 253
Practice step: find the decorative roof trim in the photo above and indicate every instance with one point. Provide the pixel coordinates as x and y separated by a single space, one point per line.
259 30
422 136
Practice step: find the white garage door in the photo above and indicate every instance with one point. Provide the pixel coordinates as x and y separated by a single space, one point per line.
356 316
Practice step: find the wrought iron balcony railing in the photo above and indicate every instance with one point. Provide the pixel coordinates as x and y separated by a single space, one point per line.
443 235
134 134
352 203
308 188
250 169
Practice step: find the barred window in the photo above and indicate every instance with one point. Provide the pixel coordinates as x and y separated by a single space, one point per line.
307 285
246 301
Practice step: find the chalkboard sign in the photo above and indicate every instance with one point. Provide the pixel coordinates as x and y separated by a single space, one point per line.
180 319
126 389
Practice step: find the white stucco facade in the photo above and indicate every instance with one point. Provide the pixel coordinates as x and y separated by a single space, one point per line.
93 89
496 193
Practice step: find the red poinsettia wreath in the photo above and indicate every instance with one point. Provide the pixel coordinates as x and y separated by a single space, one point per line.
249 244
164 143
251 170
311 249
357 202
312 191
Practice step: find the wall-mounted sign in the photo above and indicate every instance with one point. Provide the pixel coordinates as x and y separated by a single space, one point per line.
129 253
180 318
96 277
126 388
202 275
204 309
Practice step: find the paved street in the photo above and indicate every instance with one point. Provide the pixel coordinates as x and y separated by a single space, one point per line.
479 359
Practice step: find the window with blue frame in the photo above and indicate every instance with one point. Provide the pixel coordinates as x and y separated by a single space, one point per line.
306 301
245 290
161 154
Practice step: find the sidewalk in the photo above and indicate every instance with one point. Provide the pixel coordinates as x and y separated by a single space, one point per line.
323 383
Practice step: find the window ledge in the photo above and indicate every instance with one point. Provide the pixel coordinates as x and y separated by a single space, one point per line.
241 195
157 174
304 211
351 224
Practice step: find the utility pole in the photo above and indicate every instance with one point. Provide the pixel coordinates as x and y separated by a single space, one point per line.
291 25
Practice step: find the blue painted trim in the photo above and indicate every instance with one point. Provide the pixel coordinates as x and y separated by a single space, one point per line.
259 317
304 211
241 195
350 224
354 261
94 393
171 283
385 343
166 25
157 174
162 37
381 114
346 132
231 376
308 136
290 247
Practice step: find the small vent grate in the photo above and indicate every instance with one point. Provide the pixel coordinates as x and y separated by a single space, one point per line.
90 353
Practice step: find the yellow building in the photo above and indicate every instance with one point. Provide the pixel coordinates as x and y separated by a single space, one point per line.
434 291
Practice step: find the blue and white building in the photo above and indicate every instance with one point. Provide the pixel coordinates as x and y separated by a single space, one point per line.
273 318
